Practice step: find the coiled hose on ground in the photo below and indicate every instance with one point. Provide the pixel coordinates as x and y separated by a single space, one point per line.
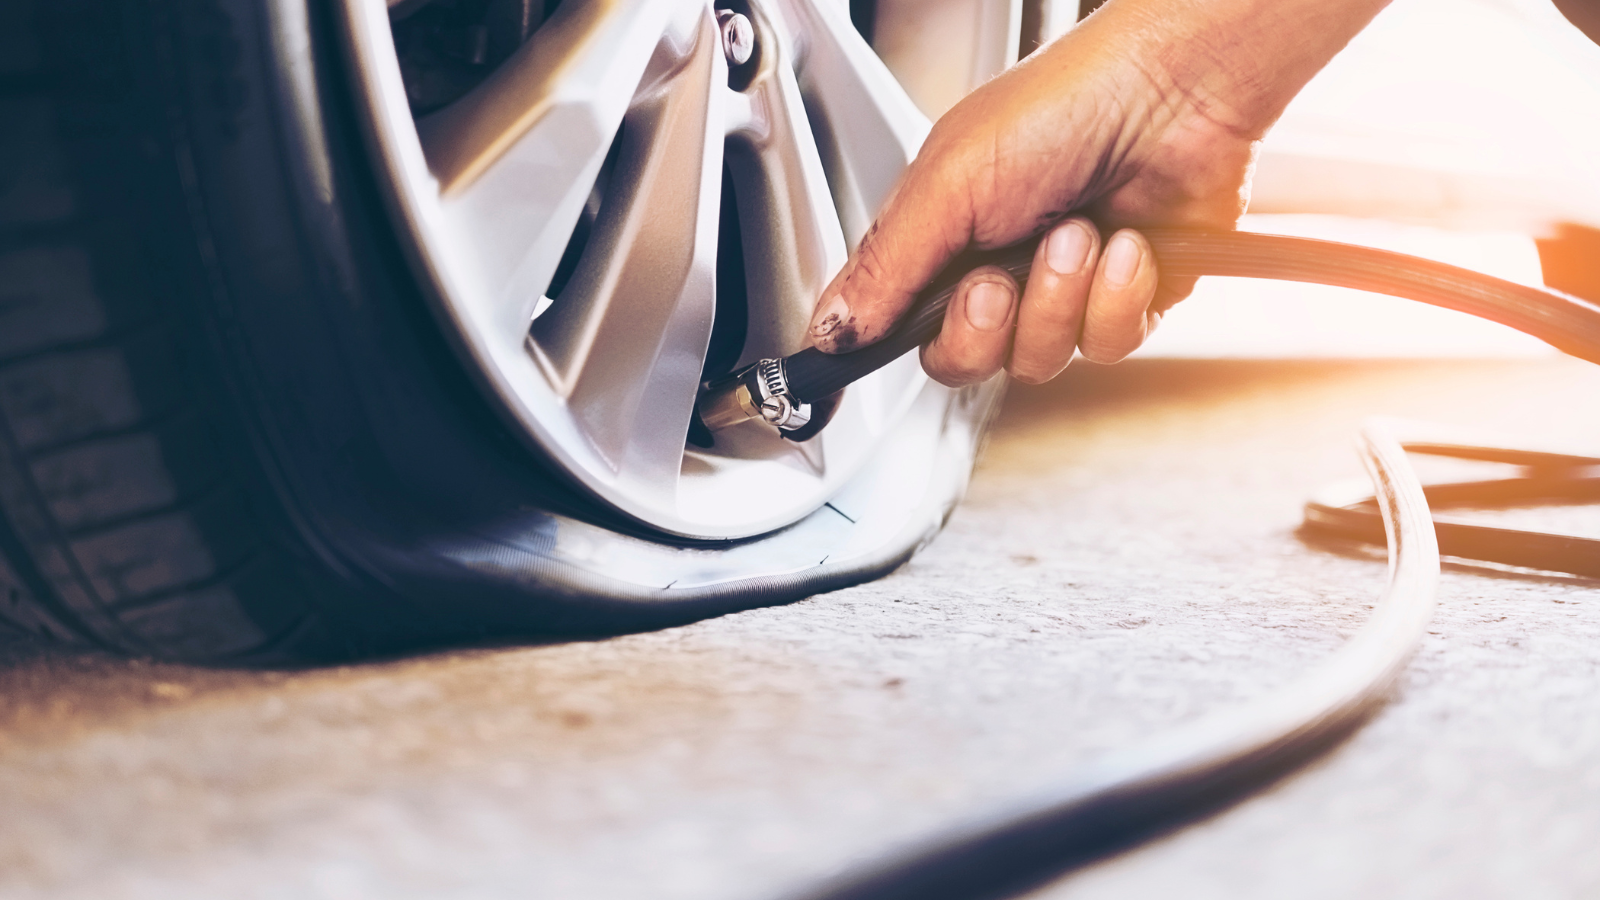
1201 767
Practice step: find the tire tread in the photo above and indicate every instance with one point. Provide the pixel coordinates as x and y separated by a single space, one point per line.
121 522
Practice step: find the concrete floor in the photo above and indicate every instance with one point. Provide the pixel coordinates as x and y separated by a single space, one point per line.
1126 559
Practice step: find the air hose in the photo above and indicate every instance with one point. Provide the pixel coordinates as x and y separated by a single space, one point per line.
1193 770
1201 767
782 392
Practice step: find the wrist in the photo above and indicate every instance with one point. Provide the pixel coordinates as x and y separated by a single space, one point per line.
1233 63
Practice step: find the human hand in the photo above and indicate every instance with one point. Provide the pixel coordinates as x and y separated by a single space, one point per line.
1148 113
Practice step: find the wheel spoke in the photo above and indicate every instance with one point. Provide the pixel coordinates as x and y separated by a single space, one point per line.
868 127
515 158
625 341
583 63
793 242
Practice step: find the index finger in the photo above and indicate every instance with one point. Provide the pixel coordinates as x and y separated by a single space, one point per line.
924 224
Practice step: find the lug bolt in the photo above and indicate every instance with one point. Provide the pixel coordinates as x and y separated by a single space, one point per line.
738 37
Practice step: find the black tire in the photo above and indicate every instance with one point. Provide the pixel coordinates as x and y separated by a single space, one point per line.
129 521
230 430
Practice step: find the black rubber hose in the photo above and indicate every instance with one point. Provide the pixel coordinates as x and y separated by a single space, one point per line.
1569 324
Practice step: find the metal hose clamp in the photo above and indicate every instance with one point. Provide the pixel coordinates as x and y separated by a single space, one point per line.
778 404
760 391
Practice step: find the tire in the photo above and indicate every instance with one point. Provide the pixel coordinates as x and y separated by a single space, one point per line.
232 429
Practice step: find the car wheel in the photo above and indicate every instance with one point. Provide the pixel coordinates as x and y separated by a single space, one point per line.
335 328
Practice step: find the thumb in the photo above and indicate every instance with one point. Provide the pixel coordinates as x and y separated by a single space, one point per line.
924 224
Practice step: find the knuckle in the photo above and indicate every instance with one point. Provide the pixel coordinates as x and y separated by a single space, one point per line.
871 267
1106 352
955 381
1053 313
1036 363
1038 366
951 371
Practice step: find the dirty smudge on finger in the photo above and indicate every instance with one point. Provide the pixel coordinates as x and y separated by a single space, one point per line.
845 336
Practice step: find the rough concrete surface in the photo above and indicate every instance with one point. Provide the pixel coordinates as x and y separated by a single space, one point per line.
1126 559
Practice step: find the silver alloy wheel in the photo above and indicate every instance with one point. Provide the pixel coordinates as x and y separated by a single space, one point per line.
620 115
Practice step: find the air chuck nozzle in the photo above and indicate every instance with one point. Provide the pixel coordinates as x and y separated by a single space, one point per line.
755 392
728 401
761 393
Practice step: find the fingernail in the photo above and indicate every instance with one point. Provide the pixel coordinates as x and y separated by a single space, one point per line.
829 315
1152 324
1122 259
1068 248
988 305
